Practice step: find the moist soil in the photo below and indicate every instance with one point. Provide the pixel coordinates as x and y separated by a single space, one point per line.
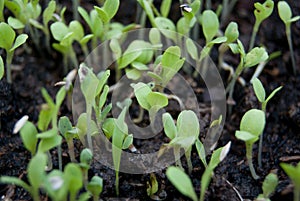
232 177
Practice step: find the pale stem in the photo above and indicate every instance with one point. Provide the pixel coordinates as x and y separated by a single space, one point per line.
249 158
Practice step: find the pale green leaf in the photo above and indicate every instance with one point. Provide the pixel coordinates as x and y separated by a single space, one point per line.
192 48
141 91
59 30
127 141
210 25
154 36
103 15
165 7
111 7
272 94
36 170
7 36
284 10
133 73
269 185
259 90
15 23
157 99
245 136
20 40
253 122
201 152
49 143
188 124
28 134
169 126
48 12
255 56
167 27
232 32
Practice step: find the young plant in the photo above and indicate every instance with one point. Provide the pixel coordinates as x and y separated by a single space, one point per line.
252 58
152 186
10 42
86 157
47 16
93 97
251 127
294 175
285 14
269 185
117 129
261 12
261 96
95 187
183 183
183 135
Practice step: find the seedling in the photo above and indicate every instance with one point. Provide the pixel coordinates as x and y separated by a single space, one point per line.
152 185
261 96
261 12
95 187
269 186
88 81
10 42
285 14
251 127
117 129
252 58
183 135
47 16
183 183
86 157
294 175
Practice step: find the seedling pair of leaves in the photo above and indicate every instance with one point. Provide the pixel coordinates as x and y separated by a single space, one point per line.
251 127
95 92
9 42
285 14
165 25
66 35
117 130
247 60
269 185
293 173
183 183
261 96
183 135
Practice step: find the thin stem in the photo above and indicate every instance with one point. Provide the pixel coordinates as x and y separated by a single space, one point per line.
177 156
75 7
289 38
88 119
117 183
249 158
188 159
253 36
9 57
71 150
259 158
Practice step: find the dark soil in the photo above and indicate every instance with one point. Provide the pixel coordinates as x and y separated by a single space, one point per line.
232 177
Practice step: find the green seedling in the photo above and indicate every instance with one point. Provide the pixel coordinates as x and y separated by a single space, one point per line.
261 12
65 128
10 42
285 14
261 96
95 187
252 58
47 16
86 157
183 135
294 175
183 183
251 127
269 185
149 100
81 128
152 185
117 129
35 174
24 11
91 86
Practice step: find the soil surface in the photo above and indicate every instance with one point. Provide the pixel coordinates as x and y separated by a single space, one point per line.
232 177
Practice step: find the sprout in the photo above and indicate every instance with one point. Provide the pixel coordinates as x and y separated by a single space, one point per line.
269 186
294 175
251 127
95 186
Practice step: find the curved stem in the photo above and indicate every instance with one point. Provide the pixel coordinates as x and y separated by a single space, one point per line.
253 36
249 158
9 57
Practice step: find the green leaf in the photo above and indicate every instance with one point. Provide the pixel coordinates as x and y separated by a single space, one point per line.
48 143
116 48
133 74
60 96
73 176
232 32
15 23
111 7
88 82
59 30
108 127
141 91
269 185
28 134
103 15
167 27
154 36
182 182
139 66
48 12
157 99
36 24
1 68
86 39
47 134
64 125
192 49
147 7
234 48
201 152
85 16
255 56
272 94
284 10
152 187
15 181
253 122
127 141
293 173
95 186
259 90
217 40
263 11
245 136
188 124
210 24
36 170
169 126
20 40
294 19
165 7
77 29
7 36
